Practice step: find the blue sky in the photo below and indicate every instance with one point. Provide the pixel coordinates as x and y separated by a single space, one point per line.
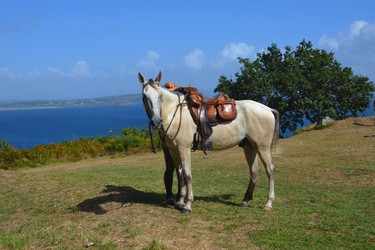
82 49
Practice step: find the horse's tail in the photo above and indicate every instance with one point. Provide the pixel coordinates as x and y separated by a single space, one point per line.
276 130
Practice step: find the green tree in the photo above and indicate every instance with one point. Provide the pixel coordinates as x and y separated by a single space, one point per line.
302 83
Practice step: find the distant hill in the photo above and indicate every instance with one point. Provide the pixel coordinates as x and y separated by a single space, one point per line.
121 100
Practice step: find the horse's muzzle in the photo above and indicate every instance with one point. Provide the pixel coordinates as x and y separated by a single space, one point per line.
156 123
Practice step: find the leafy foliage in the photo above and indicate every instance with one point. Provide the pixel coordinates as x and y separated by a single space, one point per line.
304 83
4 145
130 140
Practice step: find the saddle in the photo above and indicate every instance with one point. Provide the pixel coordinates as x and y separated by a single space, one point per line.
208 112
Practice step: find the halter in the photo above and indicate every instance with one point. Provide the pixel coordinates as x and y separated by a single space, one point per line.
179 106
151 83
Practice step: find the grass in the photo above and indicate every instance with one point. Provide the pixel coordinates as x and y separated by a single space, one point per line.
325 193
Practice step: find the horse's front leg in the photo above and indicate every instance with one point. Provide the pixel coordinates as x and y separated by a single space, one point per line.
187 193
168 176
252 161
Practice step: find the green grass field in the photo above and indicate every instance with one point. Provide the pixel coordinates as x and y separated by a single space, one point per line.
325 189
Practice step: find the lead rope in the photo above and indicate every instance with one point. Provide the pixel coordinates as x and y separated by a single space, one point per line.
152 140
179 105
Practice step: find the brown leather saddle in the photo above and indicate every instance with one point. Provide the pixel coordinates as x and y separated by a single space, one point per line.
208 112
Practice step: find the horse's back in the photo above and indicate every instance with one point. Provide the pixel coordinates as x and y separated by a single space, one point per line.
259 119
254 121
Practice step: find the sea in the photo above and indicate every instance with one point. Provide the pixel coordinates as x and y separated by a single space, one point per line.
26 128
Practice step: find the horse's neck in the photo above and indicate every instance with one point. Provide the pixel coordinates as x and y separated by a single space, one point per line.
172 106
169 103
175 115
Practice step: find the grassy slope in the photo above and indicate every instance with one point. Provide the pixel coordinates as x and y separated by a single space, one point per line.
325 193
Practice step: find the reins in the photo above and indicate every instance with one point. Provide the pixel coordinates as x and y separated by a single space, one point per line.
151 139
179 106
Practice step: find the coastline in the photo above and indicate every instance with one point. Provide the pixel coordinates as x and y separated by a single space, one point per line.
121 100
27 108
67 106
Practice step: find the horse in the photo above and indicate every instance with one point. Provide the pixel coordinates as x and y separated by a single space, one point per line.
255 129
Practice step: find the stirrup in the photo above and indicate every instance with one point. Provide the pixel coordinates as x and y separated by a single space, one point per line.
196 140
207 145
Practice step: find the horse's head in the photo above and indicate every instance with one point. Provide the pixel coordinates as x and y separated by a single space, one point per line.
151 96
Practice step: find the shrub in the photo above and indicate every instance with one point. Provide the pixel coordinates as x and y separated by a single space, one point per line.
4 145
131 140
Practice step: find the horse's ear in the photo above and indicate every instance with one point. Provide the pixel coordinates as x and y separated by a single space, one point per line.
141 78
158 78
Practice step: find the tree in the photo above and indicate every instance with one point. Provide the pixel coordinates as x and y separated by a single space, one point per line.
306 83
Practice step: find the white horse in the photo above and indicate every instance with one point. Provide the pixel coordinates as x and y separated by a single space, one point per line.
256 129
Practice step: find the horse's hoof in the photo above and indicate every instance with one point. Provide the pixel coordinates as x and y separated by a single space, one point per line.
185 211
267 208
171 202
244 204
179 205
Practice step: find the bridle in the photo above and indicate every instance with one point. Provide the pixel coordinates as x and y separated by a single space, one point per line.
181 103
151 83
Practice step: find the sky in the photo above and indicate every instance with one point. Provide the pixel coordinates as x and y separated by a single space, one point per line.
70 49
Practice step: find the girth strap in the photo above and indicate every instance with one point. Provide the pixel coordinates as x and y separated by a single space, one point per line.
205 128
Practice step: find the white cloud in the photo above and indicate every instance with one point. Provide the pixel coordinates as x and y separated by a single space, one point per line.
355 28
357 34
234 50
81 69
329 42
149 61
33 75
55 71
354 47
5 73
195 59
230 54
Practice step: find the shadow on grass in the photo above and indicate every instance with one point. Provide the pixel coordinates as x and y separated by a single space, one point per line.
363 124
127 196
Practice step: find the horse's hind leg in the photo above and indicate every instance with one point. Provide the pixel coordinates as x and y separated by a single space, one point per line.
252 161
266 157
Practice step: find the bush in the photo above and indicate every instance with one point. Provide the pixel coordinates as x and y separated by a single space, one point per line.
4 145
78 149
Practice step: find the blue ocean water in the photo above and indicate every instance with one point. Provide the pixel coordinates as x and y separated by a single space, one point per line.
30 127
